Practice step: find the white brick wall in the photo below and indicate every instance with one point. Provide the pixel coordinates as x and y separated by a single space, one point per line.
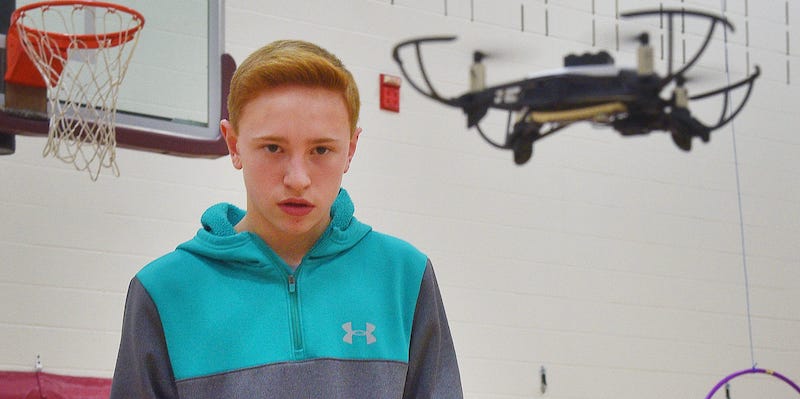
615 263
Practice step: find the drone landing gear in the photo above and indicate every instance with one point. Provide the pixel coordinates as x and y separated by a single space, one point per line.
684 127
521 141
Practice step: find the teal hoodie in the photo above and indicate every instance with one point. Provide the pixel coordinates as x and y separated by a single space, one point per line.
224 316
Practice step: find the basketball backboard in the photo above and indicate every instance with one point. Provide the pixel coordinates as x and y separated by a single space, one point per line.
173 94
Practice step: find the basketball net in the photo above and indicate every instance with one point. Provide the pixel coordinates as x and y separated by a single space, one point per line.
81 49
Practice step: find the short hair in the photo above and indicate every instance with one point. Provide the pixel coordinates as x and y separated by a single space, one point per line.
286 62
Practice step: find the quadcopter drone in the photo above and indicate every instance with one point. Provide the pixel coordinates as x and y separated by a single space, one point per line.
590 88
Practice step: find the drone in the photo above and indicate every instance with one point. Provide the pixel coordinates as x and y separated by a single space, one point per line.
633 101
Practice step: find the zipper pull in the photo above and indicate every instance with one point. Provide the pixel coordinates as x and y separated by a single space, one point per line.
292 284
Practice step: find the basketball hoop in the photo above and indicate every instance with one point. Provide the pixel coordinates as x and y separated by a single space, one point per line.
79 50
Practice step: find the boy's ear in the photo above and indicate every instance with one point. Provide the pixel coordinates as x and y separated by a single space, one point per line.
231 140
352 150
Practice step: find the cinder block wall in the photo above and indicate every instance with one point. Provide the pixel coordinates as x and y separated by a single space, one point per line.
616 264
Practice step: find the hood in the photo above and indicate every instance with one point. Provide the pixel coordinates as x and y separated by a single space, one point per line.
218 239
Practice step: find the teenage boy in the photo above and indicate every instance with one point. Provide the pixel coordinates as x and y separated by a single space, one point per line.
294 297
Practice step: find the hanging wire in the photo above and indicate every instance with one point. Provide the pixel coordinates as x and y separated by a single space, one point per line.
739 196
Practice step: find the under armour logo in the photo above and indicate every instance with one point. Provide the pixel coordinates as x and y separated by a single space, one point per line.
348 327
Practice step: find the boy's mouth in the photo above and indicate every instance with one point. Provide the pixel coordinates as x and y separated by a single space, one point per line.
296 207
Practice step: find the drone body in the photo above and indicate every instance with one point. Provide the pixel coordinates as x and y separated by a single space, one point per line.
589 88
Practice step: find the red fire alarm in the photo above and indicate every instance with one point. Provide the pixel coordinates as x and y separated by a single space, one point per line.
390 93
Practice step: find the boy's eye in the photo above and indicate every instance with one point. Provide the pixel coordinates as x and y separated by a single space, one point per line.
321 150
272 147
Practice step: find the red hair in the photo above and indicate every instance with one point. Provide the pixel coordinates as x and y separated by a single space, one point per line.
286 62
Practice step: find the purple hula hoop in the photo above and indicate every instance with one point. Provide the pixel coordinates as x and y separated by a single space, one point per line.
752 371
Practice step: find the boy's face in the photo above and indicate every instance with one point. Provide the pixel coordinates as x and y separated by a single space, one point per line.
293 145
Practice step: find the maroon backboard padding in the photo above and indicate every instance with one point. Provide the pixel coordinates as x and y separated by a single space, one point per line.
132 138
36 385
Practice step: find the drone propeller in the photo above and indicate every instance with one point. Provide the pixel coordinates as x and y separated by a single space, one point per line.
624 37
477 72
670 14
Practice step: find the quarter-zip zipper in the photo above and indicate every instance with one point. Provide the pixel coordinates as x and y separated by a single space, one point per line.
297 335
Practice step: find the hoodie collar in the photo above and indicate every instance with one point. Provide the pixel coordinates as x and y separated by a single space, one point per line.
218 238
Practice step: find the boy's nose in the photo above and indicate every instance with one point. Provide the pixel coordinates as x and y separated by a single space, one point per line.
297 176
